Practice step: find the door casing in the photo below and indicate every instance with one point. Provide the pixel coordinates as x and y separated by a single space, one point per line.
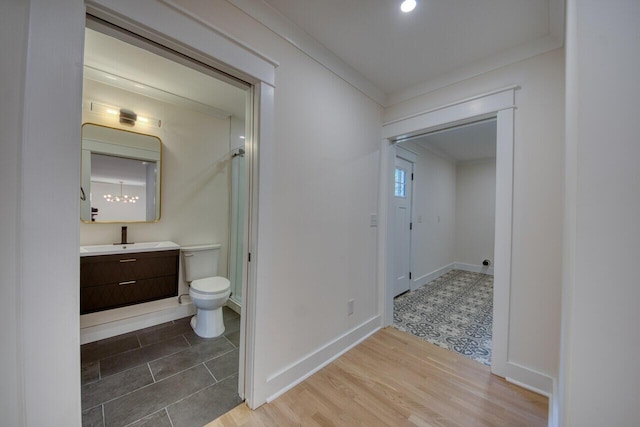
499 104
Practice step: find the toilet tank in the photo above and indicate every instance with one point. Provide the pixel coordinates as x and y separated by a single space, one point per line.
199 261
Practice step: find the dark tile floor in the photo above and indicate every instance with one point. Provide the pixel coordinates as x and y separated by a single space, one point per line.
164 375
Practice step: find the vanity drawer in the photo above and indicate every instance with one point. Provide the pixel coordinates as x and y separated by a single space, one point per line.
129 292
107 269
111 281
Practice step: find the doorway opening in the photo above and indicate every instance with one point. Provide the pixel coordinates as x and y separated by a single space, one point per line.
451 239
145 349
498 104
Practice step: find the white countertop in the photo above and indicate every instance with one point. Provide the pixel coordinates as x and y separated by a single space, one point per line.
114 249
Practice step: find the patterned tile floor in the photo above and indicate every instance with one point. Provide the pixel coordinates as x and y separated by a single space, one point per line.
454 311
164 375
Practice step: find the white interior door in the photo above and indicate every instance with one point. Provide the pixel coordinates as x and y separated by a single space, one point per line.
403 178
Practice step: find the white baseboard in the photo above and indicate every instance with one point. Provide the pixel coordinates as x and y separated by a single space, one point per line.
423 280
287 378
473 268
534 381
109 323
233 305
419 282
554 406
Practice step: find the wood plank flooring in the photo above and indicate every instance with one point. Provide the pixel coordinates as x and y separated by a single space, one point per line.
394 379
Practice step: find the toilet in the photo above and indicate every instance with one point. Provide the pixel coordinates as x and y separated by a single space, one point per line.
208 292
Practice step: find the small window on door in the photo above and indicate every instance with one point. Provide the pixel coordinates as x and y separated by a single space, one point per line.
401 183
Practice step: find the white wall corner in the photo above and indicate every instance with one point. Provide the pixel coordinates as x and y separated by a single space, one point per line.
297 37
530 379
292 375
473 268
557 15
419 282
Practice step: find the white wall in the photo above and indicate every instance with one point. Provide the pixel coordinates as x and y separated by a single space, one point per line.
324 187
600 379
195 174
537 202
42 74
434 214
475 211
323 169
453 213
13 28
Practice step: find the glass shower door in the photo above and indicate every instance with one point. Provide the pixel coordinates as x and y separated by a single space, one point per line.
236 237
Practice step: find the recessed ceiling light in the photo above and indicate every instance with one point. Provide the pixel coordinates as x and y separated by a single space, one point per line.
408 5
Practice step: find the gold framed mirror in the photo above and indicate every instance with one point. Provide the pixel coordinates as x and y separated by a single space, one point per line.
121 175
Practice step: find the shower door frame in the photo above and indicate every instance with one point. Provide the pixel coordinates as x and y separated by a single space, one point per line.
237 219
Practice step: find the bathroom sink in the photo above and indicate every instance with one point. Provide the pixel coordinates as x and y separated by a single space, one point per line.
127 248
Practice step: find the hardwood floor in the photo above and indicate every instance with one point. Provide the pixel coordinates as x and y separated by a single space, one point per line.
394 379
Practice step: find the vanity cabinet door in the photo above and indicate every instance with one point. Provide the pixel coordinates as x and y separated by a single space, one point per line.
111 281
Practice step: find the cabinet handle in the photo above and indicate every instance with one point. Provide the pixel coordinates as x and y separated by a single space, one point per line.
128 260
130 282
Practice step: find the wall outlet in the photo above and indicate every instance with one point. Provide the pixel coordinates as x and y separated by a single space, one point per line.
350 305
373 220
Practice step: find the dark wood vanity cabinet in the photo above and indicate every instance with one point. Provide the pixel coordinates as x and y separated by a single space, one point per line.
111 281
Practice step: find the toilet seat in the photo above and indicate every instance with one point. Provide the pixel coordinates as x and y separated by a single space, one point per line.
211 285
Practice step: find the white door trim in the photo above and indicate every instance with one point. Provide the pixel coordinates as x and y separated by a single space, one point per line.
174 27
501 104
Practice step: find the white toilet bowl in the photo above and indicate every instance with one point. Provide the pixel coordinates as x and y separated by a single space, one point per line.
209 295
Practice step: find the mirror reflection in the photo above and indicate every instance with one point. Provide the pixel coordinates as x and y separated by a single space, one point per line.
120 175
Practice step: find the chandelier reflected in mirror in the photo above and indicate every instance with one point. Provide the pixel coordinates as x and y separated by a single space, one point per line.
123 198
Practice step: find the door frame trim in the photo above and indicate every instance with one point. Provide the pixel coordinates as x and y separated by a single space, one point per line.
500 104
177 29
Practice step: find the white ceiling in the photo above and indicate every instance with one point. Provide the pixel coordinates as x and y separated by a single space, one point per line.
397 51
463 143
114 62
389 55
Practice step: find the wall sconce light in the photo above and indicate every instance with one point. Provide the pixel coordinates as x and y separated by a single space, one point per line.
128 117
125 116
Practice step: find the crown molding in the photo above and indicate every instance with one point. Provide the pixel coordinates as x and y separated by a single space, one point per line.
296 36
508 57
554 39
